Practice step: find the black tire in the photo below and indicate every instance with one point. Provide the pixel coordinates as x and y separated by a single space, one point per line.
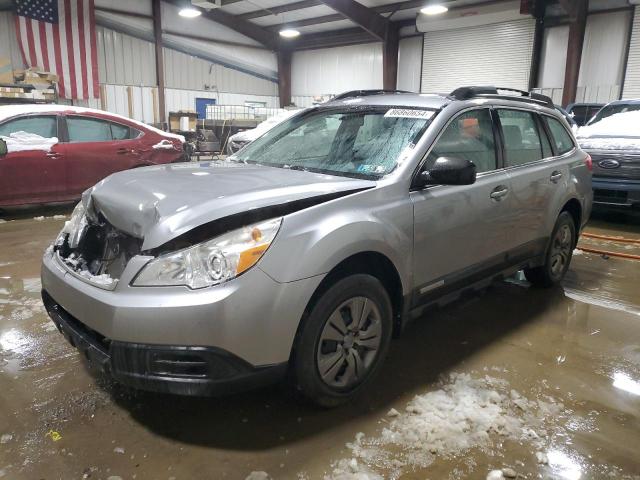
312 340
558 254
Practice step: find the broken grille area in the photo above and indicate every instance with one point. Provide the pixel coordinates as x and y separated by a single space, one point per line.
102 252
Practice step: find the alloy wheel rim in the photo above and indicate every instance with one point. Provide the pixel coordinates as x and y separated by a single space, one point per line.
349 343
561 250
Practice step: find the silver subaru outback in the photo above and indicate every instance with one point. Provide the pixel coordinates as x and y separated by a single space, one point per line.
309 249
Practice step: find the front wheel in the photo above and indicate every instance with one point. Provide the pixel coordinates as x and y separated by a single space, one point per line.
343 340
558 256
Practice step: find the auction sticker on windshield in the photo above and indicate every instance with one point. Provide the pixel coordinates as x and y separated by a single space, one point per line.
408 113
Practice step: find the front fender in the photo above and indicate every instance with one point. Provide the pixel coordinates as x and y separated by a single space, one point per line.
312 242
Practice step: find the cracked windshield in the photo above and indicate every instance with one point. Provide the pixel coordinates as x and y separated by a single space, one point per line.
367 143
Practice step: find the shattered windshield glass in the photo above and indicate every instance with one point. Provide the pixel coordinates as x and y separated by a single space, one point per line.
361 142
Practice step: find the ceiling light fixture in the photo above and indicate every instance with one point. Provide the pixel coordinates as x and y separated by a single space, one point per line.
289 33
189 12
434 9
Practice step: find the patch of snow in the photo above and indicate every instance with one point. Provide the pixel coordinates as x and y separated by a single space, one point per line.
24 141
495 475
258 476
393 413
7 111
102 279
542 459
163 145
577 251
465 413
38 219
119 450
263 127
509 473
617 132
6 438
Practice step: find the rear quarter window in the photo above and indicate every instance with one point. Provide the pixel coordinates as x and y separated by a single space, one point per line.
561 138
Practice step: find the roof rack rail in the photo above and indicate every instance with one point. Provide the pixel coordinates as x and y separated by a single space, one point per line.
365 93
466 93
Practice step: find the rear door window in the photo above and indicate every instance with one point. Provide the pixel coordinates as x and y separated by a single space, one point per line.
561 137
82 129
44 125
470 137
522 142
85 129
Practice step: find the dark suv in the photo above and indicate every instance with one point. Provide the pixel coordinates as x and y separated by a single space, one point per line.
612 138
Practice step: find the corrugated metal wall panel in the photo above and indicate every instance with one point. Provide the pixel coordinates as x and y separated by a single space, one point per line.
8 42
410 64
192 73
335 70
495 54
632 77
124 60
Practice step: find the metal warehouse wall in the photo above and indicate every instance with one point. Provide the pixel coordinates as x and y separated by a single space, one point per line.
334 70
192 73
8 42
602 64
632 76
125 60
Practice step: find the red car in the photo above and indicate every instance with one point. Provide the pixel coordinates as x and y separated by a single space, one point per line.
55 152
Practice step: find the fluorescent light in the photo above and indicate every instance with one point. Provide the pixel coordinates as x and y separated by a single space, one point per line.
189 12
289 33
434 9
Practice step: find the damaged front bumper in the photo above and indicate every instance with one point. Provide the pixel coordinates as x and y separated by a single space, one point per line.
220 339
182 370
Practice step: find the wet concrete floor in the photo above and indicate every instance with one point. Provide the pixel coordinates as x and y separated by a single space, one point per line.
574 350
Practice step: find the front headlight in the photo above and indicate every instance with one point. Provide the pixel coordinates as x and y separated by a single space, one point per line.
212 262
74 227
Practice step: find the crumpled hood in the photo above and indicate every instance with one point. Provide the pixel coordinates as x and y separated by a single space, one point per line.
161 202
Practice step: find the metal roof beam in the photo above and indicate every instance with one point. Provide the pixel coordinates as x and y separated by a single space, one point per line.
371 21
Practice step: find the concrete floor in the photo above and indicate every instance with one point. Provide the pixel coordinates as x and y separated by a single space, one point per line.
576 349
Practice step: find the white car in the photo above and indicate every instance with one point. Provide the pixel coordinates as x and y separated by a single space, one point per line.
240 139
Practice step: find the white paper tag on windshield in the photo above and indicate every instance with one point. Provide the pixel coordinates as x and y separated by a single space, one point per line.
409 113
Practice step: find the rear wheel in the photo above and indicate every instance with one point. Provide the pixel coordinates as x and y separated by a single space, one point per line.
343 340
558 256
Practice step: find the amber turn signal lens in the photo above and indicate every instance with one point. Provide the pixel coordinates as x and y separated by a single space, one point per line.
249 257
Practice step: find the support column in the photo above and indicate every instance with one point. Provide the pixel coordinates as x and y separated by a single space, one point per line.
157 32
534 70
578 24
390 58
284 77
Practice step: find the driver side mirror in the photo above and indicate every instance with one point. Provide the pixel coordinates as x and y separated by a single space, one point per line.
3 148
448 171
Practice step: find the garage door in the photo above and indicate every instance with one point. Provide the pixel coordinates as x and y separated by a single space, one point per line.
632 77
496 54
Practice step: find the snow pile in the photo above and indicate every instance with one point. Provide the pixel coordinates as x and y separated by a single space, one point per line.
79 266
464 413
163 145
617 132
24 141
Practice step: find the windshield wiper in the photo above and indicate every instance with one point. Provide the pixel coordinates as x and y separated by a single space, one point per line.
295 167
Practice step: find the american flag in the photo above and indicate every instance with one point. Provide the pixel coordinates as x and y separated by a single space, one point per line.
59 36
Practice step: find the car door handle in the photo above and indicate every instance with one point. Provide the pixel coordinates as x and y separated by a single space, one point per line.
122 151
53 155
555 176
499 192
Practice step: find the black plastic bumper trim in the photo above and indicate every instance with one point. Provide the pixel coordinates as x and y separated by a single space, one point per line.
181 370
